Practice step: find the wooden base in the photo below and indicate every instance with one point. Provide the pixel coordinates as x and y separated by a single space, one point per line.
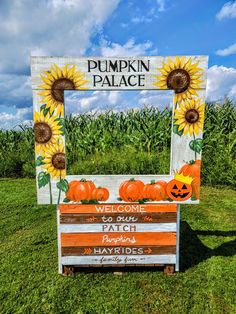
155 244
169 269
71 270
68 270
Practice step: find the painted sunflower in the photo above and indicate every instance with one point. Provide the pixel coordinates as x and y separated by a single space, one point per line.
55 161
182 75
47 131
55 82
190 116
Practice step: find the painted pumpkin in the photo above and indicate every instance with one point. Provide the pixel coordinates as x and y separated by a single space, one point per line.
80 190
196 188
155 191
131 190
191 169
100 194
179 189
70 192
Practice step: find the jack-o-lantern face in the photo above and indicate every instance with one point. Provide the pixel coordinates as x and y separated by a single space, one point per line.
178 191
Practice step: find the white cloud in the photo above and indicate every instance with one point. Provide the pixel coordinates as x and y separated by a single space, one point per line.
50 27
130 48
221 82
227 51
15 89
227 11
160 99
161 5
141 19
100 101
11 120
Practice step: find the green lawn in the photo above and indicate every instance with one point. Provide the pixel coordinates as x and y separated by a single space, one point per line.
30 282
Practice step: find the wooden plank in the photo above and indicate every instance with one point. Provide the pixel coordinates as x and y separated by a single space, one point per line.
118 250
177 239
116 260
116 208
112 228
60 267
121 239
121 76
118 218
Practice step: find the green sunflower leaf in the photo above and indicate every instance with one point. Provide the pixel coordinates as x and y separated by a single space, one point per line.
176 130
43 179
39 161
196 145
63 185
44 110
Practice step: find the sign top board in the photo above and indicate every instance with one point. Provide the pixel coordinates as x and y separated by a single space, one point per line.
185 75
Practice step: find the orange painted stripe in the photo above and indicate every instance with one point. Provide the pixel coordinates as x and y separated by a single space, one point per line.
116 208
97 239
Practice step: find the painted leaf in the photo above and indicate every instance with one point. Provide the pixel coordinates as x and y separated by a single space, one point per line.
44 109
61 122
43 179
39 161
63 185
176 130
196 145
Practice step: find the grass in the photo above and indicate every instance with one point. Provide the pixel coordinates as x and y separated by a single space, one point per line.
30 282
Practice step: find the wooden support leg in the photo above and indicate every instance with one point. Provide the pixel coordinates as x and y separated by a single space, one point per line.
68 271
169 270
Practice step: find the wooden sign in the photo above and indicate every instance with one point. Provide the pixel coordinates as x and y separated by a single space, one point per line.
185 75
121 235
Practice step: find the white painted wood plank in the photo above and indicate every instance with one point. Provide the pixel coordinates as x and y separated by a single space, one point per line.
109 228
120 259
60 270
40 64
177 239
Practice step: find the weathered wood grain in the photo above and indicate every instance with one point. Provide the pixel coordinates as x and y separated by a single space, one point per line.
118 218
131 250
117 227
117 208
40 64
120 239
118 260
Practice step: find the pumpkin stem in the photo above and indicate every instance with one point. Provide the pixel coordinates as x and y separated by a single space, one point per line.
83 180
191 162
132 179
153 182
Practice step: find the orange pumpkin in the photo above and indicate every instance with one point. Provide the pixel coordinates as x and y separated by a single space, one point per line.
178 191
191 169
100 194
131 190
196 188
70 192
80 190
155 191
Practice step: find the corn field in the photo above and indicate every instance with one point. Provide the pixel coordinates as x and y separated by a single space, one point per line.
135 142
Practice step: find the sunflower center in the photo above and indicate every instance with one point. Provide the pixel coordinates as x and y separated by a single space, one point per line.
192 116
59 161
42 132
178 80
59 86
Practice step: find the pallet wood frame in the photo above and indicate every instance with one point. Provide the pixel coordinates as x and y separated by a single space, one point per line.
68 263
52 75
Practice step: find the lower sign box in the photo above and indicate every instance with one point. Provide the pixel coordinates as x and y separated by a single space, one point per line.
112 235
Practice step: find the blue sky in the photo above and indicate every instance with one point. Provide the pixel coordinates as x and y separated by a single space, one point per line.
110 28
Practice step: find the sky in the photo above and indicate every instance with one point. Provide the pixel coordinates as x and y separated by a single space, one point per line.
111 28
